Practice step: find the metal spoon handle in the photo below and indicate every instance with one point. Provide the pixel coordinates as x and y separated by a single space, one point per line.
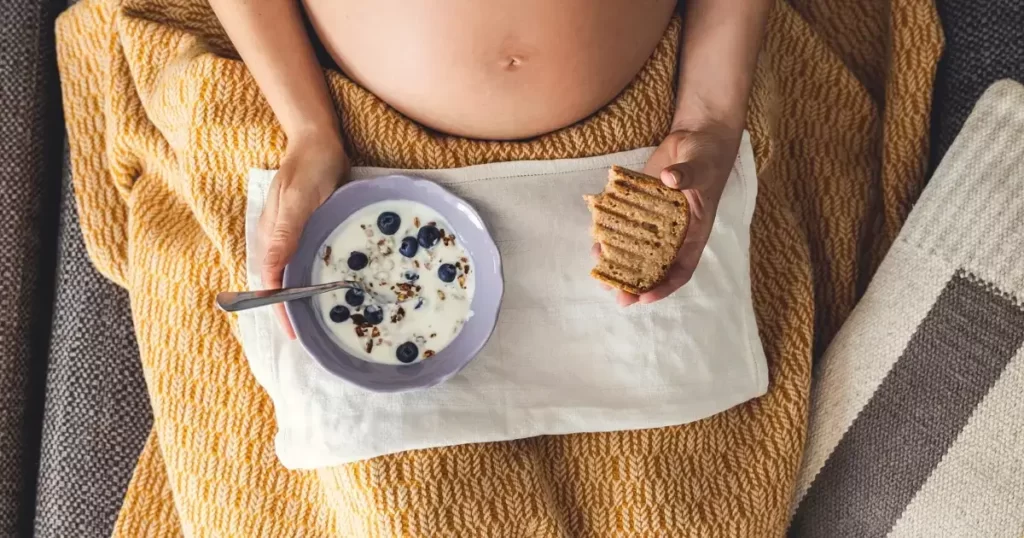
233 301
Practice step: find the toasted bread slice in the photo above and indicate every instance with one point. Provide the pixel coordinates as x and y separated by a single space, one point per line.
640 224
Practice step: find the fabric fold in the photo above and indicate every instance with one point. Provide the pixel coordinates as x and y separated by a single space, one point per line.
160 181
563 357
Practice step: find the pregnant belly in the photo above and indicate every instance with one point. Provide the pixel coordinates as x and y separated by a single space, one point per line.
500 69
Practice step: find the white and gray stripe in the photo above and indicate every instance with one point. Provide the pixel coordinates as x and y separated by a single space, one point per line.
918 411
991 449
917 418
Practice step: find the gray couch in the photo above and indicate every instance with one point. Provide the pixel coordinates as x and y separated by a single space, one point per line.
73 408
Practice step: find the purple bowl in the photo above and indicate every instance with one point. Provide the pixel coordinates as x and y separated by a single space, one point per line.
471 233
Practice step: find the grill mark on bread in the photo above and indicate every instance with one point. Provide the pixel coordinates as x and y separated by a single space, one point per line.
665 211
649 186
619 222
640 224
624 235
616 282
618 254
654 206
618 269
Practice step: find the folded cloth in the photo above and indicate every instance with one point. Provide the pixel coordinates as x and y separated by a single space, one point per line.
164 125
563 359
917 415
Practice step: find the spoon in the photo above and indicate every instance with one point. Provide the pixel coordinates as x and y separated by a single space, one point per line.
234 301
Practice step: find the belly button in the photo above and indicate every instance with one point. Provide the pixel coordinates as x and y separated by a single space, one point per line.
513 62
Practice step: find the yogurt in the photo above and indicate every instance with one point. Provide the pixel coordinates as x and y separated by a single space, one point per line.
397 250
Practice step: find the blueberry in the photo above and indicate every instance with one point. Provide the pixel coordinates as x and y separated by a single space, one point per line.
446 272
373 314
354 297
407 352
357 260
428 236
389 222
408 247
339 314
411 276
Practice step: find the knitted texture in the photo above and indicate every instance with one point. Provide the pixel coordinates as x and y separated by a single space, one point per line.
30 148
163 125
984 43
916 411
97 414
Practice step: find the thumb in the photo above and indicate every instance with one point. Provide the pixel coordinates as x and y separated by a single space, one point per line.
283 239
686 177
680 176
689 154
282 243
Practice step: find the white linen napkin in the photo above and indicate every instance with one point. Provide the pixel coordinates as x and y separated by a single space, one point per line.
563 358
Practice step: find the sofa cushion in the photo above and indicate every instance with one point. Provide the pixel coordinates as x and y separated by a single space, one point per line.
916 414
97 410
30 145
984 43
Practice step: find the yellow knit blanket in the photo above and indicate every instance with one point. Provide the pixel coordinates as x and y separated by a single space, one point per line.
163 123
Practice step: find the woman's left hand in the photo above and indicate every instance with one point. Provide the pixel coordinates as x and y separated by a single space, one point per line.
698 162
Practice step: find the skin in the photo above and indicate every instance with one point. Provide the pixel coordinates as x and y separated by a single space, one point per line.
551 62
720 45
495 70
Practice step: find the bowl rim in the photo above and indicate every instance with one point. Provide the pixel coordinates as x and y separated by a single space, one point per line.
312 334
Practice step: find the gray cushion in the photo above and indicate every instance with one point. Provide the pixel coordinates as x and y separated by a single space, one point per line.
97 410
984 43
30 144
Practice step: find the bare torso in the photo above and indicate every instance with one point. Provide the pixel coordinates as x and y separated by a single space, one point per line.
493 69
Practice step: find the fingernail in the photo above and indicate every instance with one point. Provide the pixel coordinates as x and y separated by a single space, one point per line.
672 178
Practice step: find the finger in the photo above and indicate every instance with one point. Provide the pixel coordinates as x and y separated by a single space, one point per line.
269 214
685 263
681 176
686 260
626 299
679 274
293 210
279 251
266 228
286 323
657 161
694 185
687 176
687 151
281 244
283 241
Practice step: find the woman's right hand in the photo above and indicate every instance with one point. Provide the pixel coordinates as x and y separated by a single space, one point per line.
312 168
